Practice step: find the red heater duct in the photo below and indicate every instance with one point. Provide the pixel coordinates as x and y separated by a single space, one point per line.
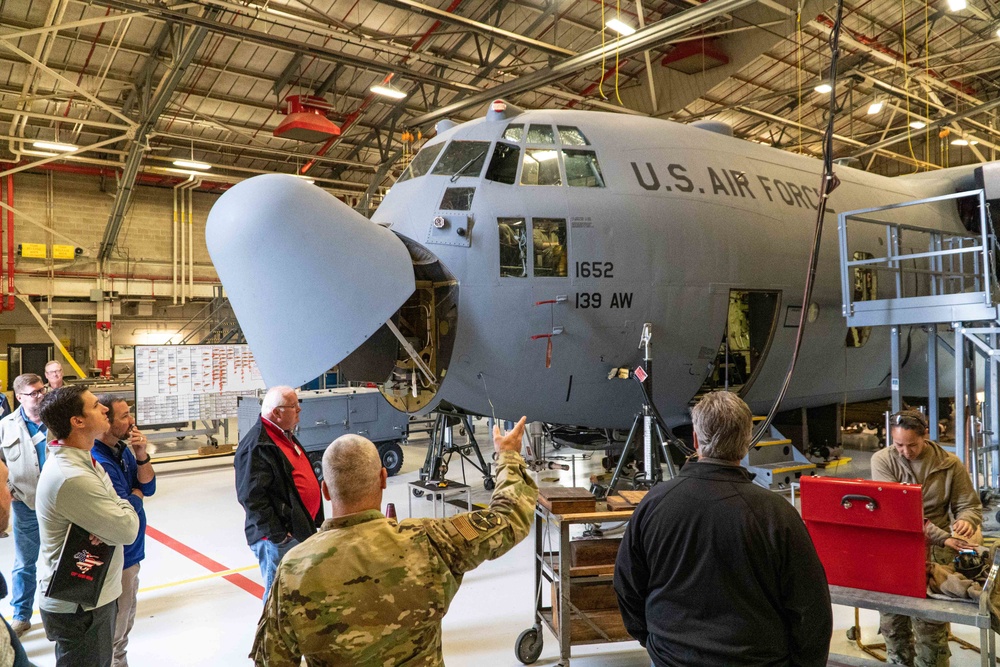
306 120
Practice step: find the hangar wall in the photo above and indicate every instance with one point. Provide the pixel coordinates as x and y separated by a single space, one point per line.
78 206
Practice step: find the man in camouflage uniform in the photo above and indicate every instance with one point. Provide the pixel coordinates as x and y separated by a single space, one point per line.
952 515
368 591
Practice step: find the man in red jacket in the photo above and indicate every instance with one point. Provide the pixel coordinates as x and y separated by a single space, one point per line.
276 484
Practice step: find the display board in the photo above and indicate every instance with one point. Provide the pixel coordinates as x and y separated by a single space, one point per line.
181 383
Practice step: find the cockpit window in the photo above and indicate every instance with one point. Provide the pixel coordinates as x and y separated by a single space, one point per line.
503 164
463 158
582 169
457 199
541 167
421 163
549 240
571 136
514 132
540 134
513 247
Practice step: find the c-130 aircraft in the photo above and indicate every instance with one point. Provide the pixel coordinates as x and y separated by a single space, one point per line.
511 267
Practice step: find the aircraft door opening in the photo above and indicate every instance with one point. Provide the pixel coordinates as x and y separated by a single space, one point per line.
426 322
750 326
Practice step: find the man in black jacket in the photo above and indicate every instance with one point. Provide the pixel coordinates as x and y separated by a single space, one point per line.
715 570
276 484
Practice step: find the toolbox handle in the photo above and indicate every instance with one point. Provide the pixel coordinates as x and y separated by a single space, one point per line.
870 503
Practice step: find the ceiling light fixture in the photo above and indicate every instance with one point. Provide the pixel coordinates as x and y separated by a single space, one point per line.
388 91
54 146
622 28
957 5
823 88
918 125
875 107
28 151
964 142
192 164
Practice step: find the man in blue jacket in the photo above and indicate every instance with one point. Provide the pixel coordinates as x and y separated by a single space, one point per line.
133 478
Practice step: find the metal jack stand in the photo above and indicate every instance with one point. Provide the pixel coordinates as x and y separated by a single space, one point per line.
534 449
442 447
654 442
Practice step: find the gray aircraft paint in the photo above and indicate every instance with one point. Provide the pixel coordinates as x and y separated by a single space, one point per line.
686 215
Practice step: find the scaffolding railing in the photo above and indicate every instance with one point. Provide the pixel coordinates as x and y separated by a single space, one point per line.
953 280
937 277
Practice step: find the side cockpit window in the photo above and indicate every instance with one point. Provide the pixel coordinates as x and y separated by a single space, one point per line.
462 158
421 163
513 247
503 164
541 167
549 240
582 169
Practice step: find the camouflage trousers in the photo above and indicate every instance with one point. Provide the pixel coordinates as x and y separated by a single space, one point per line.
930 648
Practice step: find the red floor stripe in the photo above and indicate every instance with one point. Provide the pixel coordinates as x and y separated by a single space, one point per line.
250 586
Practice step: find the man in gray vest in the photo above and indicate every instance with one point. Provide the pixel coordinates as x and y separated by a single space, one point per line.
22 448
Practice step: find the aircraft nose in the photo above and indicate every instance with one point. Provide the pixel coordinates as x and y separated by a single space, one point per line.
309 278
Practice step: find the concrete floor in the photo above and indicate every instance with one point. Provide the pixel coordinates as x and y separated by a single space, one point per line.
197 603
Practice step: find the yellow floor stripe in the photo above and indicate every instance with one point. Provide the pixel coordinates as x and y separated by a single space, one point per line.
204 577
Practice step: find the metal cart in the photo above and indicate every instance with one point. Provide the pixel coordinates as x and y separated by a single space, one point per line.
952 611
572 623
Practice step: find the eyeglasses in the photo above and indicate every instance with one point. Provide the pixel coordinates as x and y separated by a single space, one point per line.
295 405
38 393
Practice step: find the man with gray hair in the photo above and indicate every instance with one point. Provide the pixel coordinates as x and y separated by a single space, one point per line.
276 484
370 591
715 570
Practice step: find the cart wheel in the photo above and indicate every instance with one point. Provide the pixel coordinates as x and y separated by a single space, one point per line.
998 516
392 456
489 484
556 445
417 493
852 633
316 460
528 646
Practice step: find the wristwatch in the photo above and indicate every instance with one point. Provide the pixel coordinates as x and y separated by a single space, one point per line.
144 461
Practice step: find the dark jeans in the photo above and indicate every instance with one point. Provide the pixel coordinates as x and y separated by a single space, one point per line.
83 638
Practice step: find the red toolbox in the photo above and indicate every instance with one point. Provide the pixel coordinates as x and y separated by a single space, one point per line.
868 535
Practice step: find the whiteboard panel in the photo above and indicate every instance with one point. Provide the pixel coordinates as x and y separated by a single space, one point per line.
179 383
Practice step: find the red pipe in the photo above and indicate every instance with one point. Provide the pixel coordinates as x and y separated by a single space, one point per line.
94 274
10 242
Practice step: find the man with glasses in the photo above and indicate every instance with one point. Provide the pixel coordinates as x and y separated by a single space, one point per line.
952 516
54 375
22 448
276 484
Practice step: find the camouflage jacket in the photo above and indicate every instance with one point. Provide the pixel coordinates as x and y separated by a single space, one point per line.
368 591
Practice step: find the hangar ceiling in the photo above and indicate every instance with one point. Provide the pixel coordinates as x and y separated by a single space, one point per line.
136 85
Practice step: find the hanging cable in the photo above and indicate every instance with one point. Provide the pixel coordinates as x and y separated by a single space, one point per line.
828 184
604 55
618 39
